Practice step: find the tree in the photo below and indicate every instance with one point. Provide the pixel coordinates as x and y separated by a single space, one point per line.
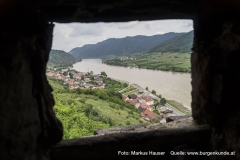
71 75
82 77
91 72
64 73
147 88
156 103
163 101
154 92
91 78
104 74
160 96
78 90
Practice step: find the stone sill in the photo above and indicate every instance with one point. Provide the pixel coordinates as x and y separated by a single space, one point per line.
159 140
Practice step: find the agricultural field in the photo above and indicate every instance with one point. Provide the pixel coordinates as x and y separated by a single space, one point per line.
178 62
129 90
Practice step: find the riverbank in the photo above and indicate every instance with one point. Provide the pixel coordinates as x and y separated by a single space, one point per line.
179 106
134 89
175 62
171 85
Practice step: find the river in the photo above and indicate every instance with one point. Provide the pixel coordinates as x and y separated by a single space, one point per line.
171 85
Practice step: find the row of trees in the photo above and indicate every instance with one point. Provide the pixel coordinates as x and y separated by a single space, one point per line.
153 66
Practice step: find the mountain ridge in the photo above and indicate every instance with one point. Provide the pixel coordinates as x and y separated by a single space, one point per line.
121 46
180 44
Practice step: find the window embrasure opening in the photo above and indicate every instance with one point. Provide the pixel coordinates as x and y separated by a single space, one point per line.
107 75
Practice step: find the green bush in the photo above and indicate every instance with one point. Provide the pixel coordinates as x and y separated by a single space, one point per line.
82 100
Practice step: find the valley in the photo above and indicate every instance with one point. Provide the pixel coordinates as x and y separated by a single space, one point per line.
85 96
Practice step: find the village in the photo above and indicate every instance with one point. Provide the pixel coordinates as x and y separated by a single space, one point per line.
75 79
147 106
143 101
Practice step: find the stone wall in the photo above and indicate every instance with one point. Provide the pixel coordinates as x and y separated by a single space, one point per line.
216 77
28 125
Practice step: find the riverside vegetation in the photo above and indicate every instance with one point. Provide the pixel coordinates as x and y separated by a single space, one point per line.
178 62
82 111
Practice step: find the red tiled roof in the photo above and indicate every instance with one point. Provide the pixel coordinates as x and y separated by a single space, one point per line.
133 101
78 75
50 73
144 105
149 114
147 98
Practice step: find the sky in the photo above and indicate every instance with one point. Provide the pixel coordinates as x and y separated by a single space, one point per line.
70 35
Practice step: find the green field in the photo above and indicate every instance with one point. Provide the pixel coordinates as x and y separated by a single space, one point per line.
129 90
120 117
178 62
83 111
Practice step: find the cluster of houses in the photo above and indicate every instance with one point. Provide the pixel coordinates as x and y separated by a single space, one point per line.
122 58
144 104
76 79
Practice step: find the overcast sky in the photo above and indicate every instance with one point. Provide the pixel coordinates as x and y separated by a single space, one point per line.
71 35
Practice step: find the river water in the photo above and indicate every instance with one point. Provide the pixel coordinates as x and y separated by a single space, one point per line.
171 85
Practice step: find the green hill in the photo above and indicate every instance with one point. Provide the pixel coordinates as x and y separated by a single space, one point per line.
121 46
179 44
82 111
61 58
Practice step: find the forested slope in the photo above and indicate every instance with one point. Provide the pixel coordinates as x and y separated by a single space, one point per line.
61 58
121 46
179 44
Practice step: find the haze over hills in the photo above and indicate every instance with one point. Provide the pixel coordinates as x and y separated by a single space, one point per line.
59 57
179 44
121 46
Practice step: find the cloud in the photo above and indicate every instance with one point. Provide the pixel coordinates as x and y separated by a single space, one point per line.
187 23
70 35
86 30
148 25
127 25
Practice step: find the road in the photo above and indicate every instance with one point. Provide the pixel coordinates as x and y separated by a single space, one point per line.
175 111
146 92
